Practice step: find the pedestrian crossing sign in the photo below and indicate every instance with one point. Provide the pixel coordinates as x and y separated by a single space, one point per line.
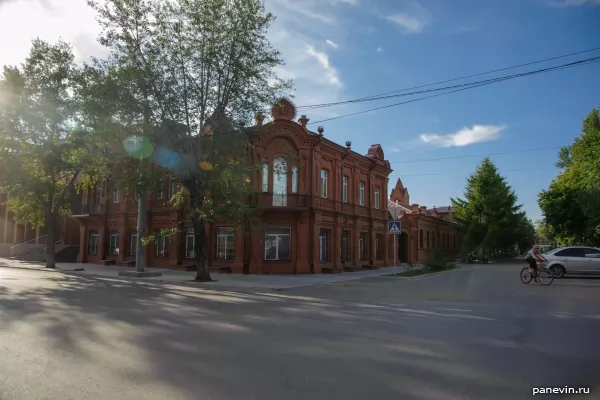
394 227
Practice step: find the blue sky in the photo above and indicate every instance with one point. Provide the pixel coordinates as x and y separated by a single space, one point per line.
343 49
338 50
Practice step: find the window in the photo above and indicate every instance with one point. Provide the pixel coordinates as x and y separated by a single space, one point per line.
378 249
361 194
345 246
577 252
447 241
117 193
190 243
323 183
99 193
345 189
294 179
225 243
160 189
362 239
113 243
172 187
377 197
84 196
133 243
93 244
454 236
277 244
427 243
421 238
162 245
433 240
265 178
323 255
280 182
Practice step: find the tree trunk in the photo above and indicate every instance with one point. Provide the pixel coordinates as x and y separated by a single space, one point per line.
50 239
202 271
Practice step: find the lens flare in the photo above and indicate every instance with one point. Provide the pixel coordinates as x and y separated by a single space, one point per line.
206 165
167 158
138 147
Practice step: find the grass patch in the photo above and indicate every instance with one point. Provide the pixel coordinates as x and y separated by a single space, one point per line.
423 271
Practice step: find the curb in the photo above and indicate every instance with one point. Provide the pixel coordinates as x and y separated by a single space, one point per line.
42 269
426 275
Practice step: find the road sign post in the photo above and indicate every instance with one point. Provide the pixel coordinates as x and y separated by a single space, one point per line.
395 229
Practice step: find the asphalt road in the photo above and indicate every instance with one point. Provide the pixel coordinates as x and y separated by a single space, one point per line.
472 334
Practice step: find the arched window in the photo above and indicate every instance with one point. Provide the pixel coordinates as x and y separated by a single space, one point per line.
427 239
280 182
421 238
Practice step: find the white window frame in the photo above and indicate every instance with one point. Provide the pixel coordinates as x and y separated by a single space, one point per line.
361 193
276 237
172 186
99 192
117 193
323 245
361 247
345 189
190 235
162 246
225 236
376 195
280 174
114 243
294 179
265 178
324 182
94 239
133 244
161 189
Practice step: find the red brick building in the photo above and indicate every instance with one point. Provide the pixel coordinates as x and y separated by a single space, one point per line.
326 213
422 230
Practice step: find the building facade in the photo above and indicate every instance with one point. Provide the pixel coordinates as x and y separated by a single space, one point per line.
326 213
423 230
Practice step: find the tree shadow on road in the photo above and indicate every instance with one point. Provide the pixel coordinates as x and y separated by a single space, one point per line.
193 343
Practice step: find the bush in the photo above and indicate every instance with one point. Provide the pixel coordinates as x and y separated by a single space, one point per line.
438 260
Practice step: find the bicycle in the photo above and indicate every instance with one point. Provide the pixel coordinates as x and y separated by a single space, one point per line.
543 275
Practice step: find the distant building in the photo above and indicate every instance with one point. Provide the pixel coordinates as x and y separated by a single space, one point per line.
422 230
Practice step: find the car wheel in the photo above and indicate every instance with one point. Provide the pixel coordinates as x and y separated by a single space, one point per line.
558 271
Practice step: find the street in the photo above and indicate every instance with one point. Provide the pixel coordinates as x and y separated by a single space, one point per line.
471 334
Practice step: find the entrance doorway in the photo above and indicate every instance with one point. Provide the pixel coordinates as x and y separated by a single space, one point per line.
403 247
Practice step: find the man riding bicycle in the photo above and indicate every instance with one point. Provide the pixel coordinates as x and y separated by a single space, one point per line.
533 257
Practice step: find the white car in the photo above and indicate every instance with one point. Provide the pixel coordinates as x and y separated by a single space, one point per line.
573 260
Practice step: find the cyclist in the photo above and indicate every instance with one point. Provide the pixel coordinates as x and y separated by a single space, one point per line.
533 257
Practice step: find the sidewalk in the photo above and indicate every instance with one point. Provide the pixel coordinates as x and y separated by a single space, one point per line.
221 280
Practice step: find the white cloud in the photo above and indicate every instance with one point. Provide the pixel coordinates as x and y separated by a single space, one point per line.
412 20
379 49
21 21
465 136
572 3
323 59
332 44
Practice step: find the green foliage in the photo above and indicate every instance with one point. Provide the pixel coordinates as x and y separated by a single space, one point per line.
571 205
489 217
44 141
438 260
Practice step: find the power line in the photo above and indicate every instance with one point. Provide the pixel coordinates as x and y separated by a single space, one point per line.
451 80
476 155
501 172
473 85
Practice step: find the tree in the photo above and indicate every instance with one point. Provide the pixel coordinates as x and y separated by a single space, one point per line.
44 146
489 217
571 205
196 71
